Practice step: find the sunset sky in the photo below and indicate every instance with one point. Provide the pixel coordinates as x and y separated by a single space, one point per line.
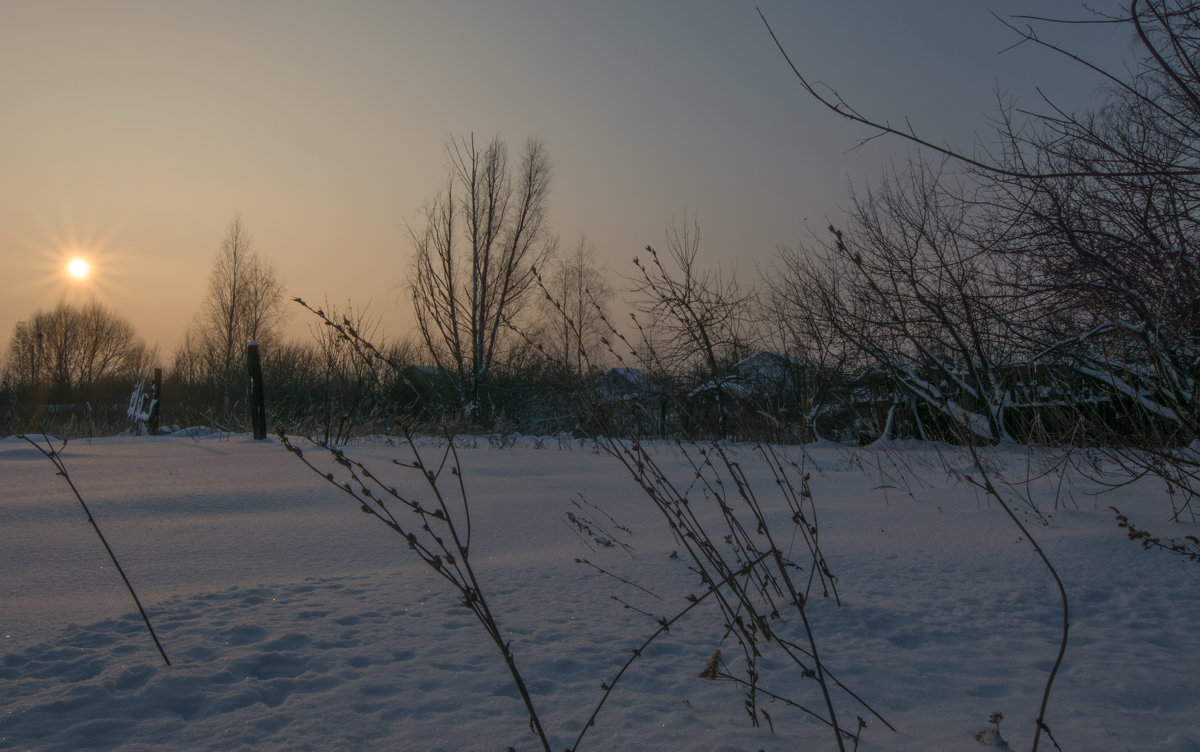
132 132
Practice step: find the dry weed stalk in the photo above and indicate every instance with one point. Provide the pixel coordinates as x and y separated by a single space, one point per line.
1188 546
738 559
55 457
986 484
441 538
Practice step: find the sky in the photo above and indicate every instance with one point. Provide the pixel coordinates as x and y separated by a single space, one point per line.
132 132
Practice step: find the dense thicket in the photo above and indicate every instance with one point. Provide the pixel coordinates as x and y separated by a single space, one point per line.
1051 292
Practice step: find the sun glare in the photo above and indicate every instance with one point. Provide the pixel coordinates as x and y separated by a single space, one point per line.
75 265
78 268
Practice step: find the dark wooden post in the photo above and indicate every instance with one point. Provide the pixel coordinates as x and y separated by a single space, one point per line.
258 408
155 402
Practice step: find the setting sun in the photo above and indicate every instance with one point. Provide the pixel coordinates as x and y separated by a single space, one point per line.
78 268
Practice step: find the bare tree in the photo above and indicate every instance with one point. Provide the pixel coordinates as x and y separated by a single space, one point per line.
483 235
1102 210
939 299
575 306
802 311
244 303
703 318
70 348
1109 209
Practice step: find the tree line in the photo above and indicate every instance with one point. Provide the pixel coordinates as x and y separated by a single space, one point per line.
1047 291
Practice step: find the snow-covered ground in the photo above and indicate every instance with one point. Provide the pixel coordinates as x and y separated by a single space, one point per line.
295 622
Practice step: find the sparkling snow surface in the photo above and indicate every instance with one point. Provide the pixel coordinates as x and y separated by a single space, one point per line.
295 622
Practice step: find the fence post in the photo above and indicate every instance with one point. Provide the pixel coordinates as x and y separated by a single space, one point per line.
155 402
258 409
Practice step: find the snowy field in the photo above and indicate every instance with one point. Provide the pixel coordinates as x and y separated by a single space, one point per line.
296 622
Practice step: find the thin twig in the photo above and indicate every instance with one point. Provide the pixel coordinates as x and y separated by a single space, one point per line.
992 491
55 456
